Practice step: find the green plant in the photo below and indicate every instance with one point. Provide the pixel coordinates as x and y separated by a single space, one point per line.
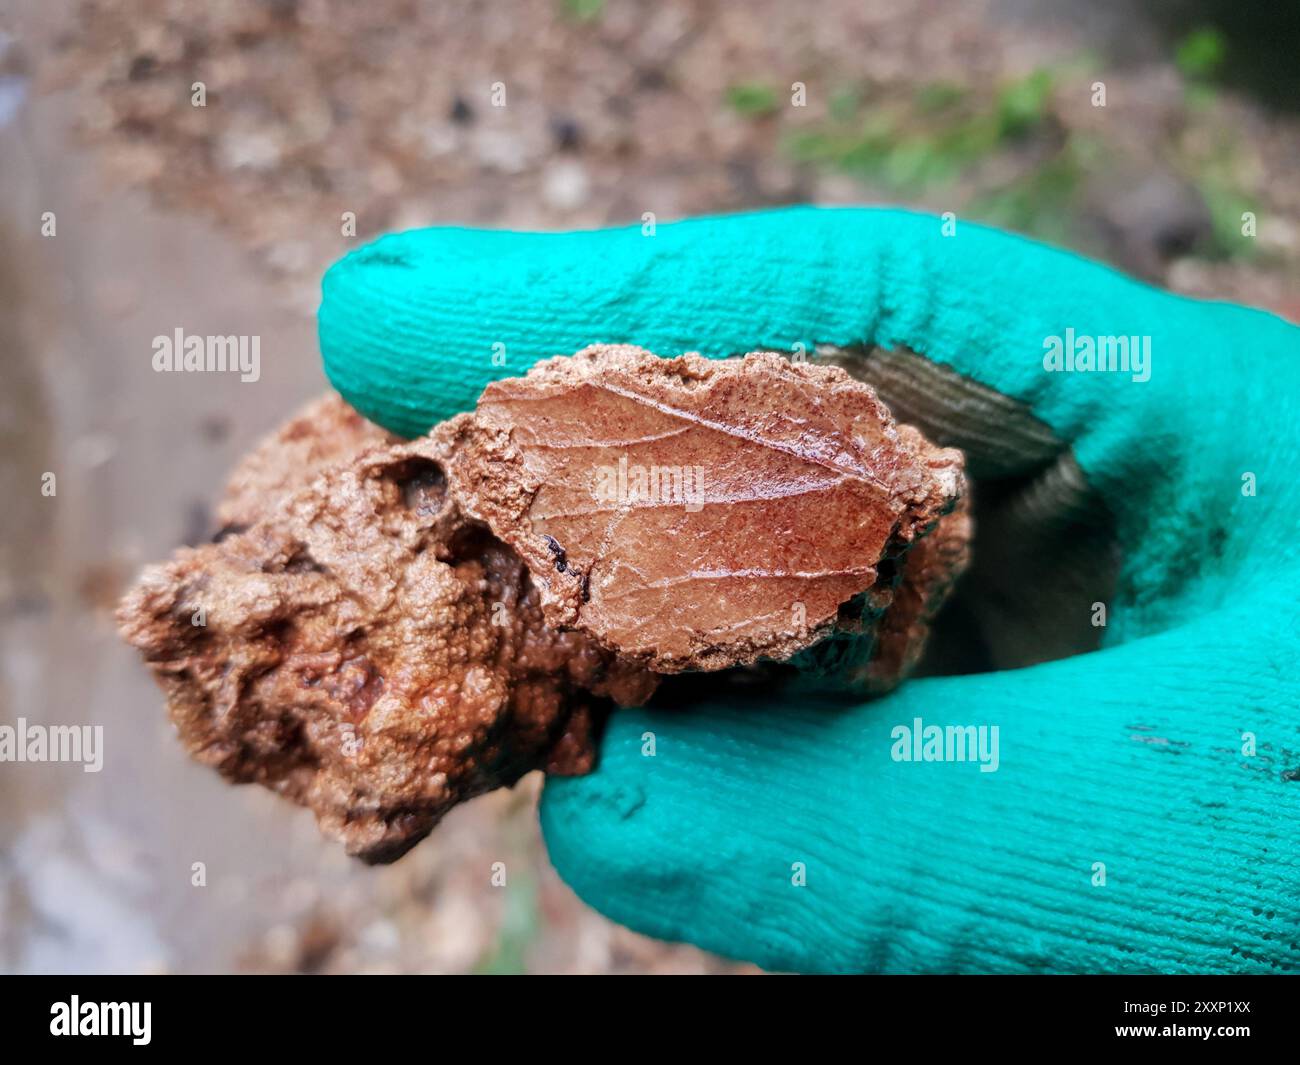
926 140
752 99
583 10
936 96
519 927
1037 202
1022 104
1201 53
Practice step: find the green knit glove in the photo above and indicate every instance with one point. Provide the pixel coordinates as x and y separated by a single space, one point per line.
1145 810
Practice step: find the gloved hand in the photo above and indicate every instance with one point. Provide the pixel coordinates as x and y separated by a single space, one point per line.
1145 812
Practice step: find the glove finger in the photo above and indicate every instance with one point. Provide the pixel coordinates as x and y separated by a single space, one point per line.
413 325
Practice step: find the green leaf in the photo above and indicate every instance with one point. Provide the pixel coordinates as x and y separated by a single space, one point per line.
583 10
1201 53
752 99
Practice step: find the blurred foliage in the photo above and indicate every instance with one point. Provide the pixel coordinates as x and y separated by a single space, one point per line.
1022 105
1201 53
519 928
942 132
1243 46
936 96
583 10
1217 163
752 99
1041 200
1226 203
927 140
1214 160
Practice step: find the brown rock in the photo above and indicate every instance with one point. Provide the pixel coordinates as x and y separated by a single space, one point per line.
386 628
365 649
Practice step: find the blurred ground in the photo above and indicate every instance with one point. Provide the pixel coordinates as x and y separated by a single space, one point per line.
221 219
